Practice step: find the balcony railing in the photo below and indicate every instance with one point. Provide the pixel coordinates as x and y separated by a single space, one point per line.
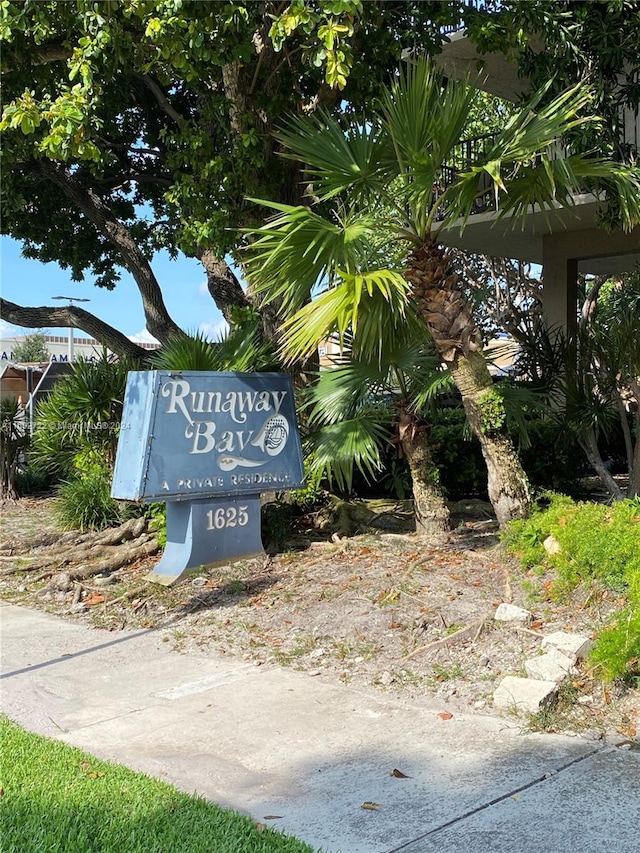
473 150
478 5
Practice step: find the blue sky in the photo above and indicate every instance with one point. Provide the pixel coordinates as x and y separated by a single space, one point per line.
183 282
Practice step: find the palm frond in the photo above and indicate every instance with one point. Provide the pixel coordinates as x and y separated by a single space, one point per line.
239 351
338 160
356 443
527 168
299 250
345 389
368 304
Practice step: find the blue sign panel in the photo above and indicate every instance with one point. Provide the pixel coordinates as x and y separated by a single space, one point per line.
191 435
208 532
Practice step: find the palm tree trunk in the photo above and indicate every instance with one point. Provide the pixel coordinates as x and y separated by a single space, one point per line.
507 483
449 318
431 510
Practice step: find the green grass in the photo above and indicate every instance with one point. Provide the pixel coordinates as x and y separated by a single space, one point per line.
56 799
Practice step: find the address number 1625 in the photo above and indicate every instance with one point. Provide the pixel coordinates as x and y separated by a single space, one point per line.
230 516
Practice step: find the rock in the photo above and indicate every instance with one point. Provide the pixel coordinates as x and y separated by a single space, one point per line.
554 666
512 613
317 653
552 546
574 646
62 582
78 608
524 694
105 580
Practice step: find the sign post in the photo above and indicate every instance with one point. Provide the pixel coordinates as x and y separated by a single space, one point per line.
208 444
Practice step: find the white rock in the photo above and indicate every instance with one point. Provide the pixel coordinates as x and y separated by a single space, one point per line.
512 613
552 546
554 666
574 646
524 694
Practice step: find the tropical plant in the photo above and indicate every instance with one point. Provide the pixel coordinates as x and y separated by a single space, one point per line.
599 378
14 439
396 160
368 398
75 440
80 420
241 349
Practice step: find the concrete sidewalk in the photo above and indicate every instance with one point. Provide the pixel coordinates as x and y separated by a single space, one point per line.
272 742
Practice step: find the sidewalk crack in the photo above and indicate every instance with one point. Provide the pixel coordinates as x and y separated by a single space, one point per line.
545 777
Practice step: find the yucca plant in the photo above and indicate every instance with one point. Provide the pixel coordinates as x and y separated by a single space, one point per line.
394 163
14 439
82 413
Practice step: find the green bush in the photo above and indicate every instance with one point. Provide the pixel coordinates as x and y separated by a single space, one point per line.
458 457
597 543
553 461
31 481
84 502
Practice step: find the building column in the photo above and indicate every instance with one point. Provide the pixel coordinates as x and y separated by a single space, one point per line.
559 285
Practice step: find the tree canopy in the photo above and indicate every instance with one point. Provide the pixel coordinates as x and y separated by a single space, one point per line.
146 124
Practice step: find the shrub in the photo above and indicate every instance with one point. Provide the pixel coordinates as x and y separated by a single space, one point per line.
458 457
84 502
597 543
14 439
81 415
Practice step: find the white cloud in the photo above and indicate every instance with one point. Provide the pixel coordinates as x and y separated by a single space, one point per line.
143 337
214 329
9 331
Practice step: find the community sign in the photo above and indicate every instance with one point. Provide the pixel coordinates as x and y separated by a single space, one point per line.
208 444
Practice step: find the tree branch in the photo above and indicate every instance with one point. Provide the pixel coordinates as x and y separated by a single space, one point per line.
159 322
225 289
71 316
160 96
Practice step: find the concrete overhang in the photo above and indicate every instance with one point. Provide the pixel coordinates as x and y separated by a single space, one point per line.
486 234
492 72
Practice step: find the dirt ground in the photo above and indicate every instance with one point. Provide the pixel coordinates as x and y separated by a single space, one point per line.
405 615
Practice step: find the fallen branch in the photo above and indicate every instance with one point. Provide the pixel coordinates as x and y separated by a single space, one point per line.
123 555
93 545
129 594
473 630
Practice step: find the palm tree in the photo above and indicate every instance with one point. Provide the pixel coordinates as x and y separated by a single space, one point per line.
384 178
356 405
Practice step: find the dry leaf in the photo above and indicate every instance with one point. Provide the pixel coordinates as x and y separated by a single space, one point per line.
398 774
260 826
93 599
445 715
271 817
371 806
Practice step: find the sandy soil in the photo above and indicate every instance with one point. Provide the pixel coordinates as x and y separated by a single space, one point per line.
385 609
